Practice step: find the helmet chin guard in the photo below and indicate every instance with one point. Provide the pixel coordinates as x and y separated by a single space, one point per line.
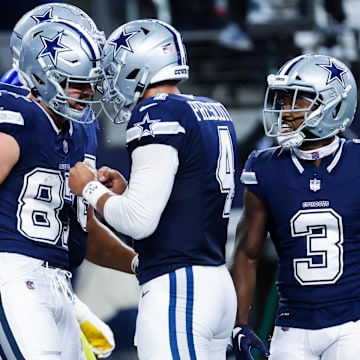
291 140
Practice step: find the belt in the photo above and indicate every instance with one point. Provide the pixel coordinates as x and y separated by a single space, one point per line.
50 265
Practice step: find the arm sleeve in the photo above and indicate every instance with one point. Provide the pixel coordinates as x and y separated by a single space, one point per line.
137 212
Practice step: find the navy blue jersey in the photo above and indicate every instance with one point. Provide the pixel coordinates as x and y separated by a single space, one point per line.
193 225
37 207
314 223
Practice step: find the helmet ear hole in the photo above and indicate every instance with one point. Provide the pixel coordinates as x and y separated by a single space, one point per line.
38 80
336 110
133 74
144 30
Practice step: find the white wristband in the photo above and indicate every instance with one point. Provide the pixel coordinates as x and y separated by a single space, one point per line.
93 191
135 264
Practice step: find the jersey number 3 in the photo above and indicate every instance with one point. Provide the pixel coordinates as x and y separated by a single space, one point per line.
323 232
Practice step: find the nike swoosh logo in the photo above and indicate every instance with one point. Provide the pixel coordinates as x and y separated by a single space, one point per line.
236 331
144 293
142 108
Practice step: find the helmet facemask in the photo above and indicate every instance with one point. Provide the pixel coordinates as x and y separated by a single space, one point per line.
274 110
64 104
121 107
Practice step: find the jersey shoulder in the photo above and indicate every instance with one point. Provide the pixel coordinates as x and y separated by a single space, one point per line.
260 158
22 117
15 89
262 162
160 105
15 108
156 120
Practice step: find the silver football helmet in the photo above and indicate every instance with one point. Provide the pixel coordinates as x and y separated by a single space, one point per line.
326 83
137 54
55 55
51 11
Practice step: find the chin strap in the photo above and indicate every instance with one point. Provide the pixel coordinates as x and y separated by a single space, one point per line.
291 141
317 153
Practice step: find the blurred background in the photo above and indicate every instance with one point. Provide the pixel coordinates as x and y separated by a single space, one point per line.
232 46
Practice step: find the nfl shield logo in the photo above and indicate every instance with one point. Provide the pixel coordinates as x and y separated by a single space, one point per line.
65 147
30 284
315 184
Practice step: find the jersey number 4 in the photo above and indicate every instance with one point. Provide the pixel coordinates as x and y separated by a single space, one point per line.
225 171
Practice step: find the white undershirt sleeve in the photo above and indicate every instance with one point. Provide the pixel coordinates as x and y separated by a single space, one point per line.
137 211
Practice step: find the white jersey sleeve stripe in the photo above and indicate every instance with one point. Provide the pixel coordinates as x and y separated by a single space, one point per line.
157 128
248 178
11 117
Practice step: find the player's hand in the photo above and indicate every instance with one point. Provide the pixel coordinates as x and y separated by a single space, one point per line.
243 340
112 179
79 176
97 333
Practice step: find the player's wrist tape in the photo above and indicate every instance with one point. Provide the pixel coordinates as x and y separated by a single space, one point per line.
93 191
135 264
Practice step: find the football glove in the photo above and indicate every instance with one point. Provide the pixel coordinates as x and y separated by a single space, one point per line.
97 333
243 340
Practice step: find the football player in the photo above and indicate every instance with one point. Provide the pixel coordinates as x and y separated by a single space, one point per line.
305 194
99 334
42 134
177 204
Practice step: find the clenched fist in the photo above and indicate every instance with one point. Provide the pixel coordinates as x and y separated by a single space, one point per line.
79 176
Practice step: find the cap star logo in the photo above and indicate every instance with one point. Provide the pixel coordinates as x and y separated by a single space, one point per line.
52 47
146 126
335 71
44 17
122 41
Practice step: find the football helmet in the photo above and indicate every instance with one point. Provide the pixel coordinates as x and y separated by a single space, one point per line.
49 11
331 91
137 54
55 54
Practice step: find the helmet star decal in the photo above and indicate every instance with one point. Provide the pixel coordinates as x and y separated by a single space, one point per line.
146 126
44 17
52 47
335 72
122 41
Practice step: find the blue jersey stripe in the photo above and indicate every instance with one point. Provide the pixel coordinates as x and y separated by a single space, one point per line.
189 311
7 338
172 318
